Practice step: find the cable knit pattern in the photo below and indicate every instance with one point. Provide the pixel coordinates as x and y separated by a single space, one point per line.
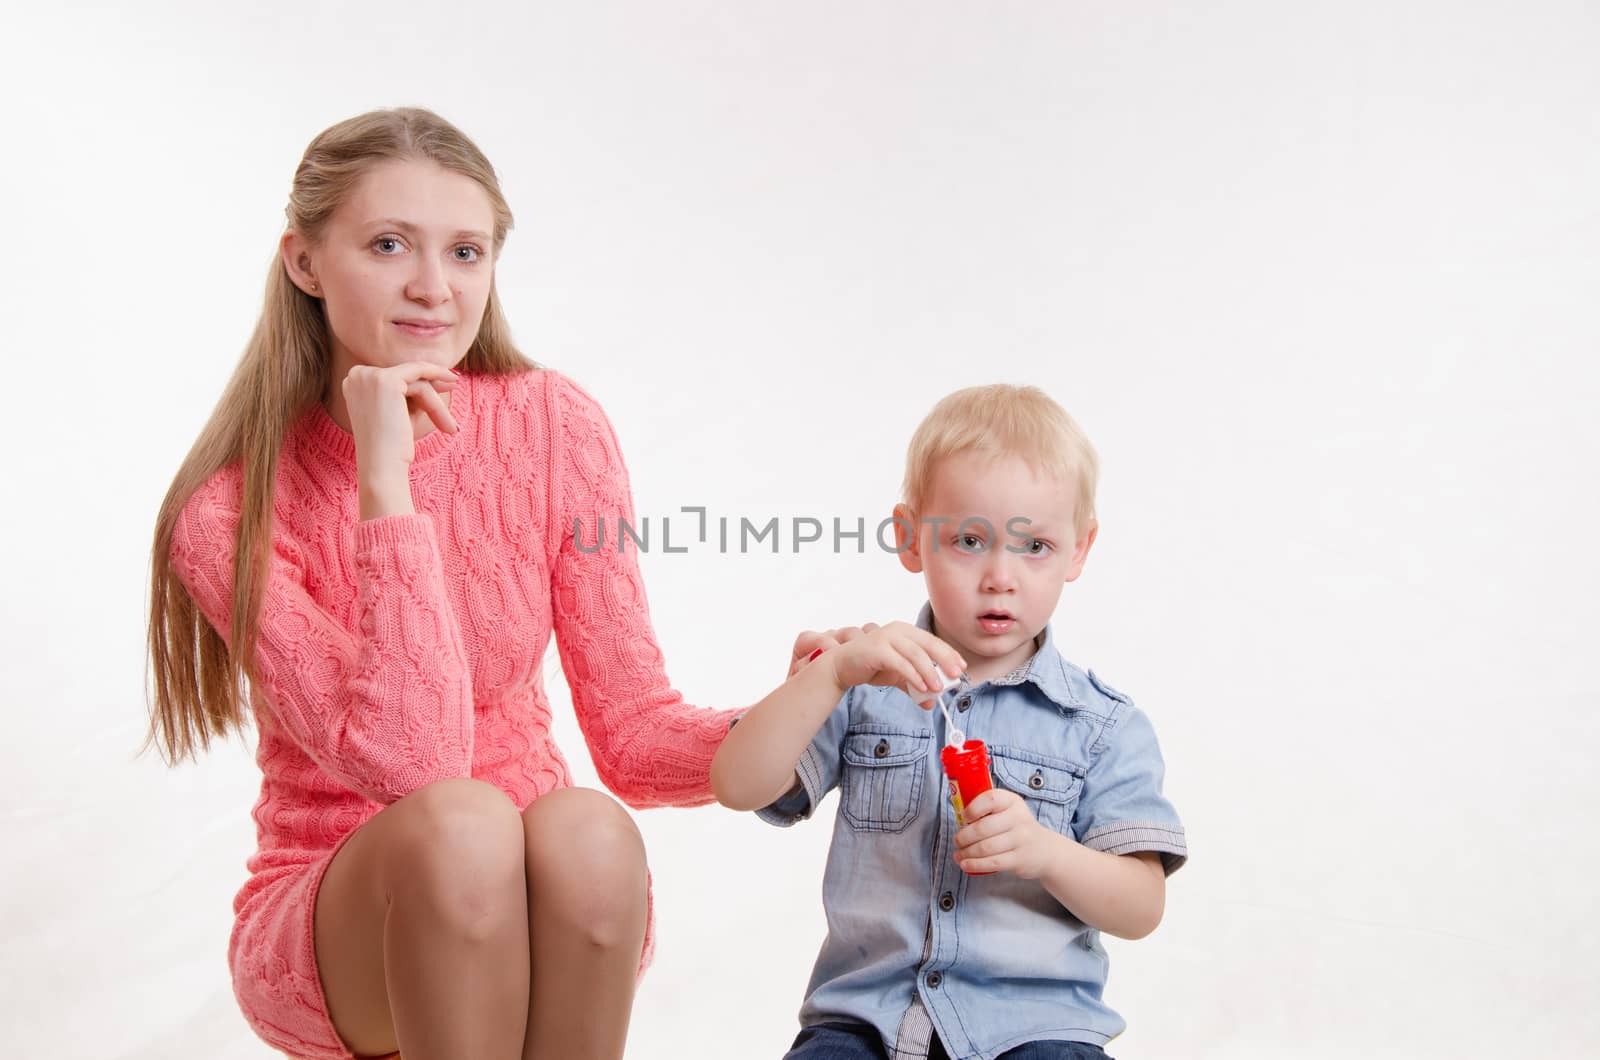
406 649
646 746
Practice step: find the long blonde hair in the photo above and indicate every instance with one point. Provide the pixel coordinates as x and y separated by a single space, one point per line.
198 683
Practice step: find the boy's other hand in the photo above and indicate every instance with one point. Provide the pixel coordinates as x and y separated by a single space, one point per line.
1002 835
810 642
898 655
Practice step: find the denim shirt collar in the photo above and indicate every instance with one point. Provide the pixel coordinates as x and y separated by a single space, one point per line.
1045 668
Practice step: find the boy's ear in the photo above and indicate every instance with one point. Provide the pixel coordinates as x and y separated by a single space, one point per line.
1080 551
905 539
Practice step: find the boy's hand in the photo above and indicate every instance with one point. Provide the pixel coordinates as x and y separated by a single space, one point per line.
898 655
810 642
1002 835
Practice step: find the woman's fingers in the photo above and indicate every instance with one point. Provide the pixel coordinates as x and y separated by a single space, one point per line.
807 643
411 371
804 643
365 376
423 394
810 643
377 393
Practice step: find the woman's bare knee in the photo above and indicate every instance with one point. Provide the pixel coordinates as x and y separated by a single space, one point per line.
452 852
586 865
458 852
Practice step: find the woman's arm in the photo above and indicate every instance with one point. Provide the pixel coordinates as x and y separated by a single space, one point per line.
384 710
648 745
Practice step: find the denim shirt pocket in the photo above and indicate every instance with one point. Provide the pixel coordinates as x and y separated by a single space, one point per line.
1050 786
883 774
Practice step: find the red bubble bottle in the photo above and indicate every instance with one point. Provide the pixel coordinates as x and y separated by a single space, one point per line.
966 766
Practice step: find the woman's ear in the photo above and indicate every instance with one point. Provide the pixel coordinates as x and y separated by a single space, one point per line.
905 539
296 254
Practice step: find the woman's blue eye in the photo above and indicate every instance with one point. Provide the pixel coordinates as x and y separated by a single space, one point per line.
388 246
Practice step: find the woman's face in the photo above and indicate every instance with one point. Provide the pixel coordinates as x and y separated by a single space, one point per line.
404 266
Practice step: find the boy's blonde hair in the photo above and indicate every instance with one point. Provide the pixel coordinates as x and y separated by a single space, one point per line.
1000 420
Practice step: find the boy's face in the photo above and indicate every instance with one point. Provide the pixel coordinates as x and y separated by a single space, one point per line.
996 545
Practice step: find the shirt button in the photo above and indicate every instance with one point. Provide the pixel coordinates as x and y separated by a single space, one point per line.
933 980
882 750
964 702
1036 781
947 901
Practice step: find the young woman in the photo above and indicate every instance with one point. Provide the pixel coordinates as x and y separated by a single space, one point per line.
375 535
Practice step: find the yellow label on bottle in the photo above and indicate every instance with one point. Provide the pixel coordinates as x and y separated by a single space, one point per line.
960 807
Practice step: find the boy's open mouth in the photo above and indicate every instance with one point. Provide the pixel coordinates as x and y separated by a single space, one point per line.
996 621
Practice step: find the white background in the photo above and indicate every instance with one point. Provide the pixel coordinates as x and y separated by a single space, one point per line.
1318 280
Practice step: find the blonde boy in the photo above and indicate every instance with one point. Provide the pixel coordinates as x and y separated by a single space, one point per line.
979 940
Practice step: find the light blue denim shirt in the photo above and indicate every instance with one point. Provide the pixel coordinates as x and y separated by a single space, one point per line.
916 945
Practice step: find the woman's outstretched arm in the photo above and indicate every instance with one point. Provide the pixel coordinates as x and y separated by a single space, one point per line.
648 745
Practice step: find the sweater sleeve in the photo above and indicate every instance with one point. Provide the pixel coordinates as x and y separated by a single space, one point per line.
648 745
383 709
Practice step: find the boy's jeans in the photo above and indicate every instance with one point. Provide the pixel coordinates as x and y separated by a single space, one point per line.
854 1041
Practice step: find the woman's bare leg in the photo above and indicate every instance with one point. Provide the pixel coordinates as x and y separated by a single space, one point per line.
422 927
587 907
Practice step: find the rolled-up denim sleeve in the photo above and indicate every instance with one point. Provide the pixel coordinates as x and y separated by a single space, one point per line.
818 770
1122 809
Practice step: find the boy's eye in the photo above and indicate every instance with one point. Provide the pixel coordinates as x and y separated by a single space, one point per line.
969 543
1037 547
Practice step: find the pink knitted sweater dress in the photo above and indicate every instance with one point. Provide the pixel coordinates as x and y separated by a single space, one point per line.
407 649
